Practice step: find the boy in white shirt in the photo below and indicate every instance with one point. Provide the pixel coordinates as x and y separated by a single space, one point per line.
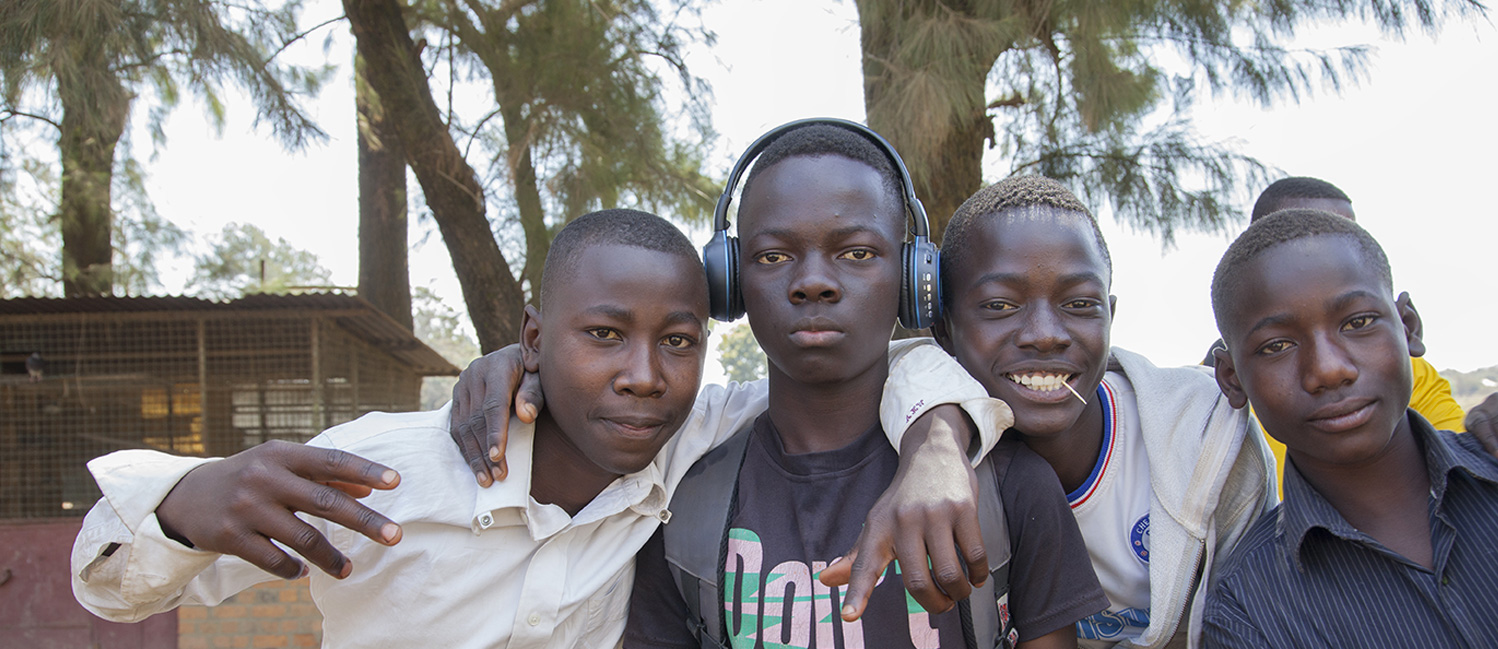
544 560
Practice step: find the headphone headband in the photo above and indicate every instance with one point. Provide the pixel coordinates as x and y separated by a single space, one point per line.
913 207
920 284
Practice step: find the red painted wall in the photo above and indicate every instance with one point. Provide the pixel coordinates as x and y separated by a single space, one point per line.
37 609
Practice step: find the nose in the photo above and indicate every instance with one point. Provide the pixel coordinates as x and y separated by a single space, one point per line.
642 374
1326 365
815 281
1042 329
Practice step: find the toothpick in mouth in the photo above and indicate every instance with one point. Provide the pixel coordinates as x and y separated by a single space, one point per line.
1073 392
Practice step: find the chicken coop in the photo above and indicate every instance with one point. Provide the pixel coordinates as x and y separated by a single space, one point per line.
81 377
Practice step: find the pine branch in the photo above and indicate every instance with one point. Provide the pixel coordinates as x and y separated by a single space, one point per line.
300 36
16 113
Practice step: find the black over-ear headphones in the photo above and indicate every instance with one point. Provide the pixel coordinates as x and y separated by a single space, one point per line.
920 282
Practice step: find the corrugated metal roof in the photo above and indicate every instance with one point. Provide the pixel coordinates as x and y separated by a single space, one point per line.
353 314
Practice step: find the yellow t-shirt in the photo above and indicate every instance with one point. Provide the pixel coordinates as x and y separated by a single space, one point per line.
1431 397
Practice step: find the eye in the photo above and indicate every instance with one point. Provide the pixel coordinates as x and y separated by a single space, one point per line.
1080 303
605 333
1358 322
1273 347
771 257
678 341
858 254
997 305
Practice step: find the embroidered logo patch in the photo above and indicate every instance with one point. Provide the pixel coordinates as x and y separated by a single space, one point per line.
1139 539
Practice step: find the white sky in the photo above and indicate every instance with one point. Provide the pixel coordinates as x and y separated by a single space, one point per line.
1414 145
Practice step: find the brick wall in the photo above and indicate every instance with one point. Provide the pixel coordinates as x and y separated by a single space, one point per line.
269 616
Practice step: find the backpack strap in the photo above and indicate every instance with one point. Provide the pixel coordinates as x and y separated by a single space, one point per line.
696 538
992 624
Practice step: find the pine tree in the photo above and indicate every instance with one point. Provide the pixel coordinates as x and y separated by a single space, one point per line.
79 66
1093 92
577 124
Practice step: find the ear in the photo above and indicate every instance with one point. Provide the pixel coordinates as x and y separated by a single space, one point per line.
530 339
1112 306
941 331
1414 328
1227 378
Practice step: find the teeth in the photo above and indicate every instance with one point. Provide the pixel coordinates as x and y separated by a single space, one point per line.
1040 382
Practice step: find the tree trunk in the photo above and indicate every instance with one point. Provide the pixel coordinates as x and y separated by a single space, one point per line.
451 187
950 169
94 107
944 184
527 195
384 275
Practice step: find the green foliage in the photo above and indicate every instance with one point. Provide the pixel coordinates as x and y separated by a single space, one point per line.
78 69
578 121
444 330
740 355
28 242
244 260
141 237
1095 93
166 46
30 255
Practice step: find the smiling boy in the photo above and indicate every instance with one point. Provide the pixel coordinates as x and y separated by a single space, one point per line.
1385 535
543 560
1161 473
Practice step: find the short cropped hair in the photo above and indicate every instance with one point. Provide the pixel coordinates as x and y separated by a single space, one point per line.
1282 227
1286 189
815 140
1013 196
618 227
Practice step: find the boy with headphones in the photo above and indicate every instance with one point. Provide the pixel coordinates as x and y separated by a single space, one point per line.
822 271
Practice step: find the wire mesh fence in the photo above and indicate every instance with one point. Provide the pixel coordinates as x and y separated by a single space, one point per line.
199 380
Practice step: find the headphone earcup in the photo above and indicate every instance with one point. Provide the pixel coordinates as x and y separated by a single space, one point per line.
720 259
920 285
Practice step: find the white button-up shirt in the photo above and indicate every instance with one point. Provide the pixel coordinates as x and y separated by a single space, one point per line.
475 567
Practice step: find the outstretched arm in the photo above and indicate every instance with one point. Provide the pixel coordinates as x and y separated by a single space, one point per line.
153 541
239 505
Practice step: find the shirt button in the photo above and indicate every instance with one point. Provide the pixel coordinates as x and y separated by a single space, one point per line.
485 521
534 619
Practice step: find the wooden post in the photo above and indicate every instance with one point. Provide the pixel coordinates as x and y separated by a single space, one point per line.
203 430
318 420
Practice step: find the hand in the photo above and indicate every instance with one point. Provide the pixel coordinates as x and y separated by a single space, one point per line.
480 419
1482 422
239 504
930 508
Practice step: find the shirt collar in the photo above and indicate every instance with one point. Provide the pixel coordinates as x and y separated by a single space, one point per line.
1443 455
1304 508
508 502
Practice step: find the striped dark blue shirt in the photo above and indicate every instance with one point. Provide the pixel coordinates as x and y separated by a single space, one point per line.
1304 577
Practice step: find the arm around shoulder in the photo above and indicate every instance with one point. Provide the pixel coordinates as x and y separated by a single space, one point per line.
922 376
719 412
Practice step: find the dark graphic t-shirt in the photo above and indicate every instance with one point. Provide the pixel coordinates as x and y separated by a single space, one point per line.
795 513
